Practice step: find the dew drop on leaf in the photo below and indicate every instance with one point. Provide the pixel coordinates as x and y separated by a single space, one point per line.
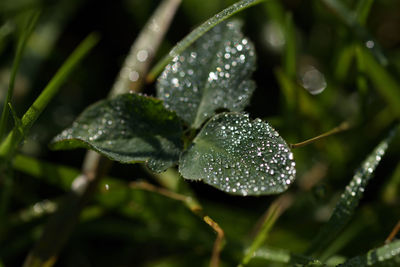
213 74
239 156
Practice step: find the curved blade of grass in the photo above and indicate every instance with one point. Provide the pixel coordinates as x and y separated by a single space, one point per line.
22 41
351 20
198 32
8 147
349 199
387 255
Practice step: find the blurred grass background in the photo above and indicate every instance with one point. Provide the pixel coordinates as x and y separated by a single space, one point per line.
316 69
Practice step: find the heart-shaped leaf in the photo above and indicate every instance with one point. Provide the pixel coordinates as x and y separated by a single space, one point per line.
213 75
238 156
128 128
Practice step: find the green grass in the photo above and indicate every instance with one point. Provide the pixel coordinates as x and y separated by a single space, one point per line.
133 216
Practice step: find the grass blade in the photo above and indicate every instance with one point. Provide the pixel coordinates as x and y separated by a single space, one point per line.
349 199
198 32
22 41
273 213
15 137
290 57
387 255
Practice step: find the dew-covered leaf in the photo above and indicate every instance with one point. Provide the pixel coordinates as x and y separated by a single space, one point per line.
350 198
385 256
128 128
239 156
213 75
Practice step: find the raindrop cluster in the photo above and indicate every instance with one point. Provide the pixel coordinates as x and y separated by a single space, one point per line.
240 156
213 75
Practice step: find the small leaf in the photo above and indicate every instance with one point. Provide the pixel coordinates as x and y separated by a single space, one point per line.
350 198
213 75
240 157
387 255
199 32
128 128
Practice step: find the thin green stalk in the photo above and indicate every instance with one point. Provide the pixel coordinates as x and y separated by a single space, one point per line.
198 32
273 213
23 38
10 144
290 47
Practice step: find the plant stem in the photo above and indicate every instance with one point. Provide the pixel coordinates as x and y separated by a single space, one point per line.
342 127
142 52
10 144
23 38
393 233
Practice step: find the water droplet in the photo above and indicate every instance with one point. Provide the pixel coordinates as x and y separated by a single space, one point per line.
133 76
313 80
142 55
370 44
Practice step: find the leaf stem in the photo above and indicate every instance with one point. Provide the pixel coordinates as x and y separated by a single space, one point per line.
393 233
342 127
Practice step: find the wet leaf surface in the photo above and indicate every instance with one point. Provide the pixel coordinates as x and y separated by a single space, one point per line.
213 75
128 128
239 156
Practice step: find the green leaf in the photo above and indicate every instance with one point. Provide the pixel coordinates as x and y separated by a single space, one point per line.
213 75
128 128
199 31
350 198
387 255
240 157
